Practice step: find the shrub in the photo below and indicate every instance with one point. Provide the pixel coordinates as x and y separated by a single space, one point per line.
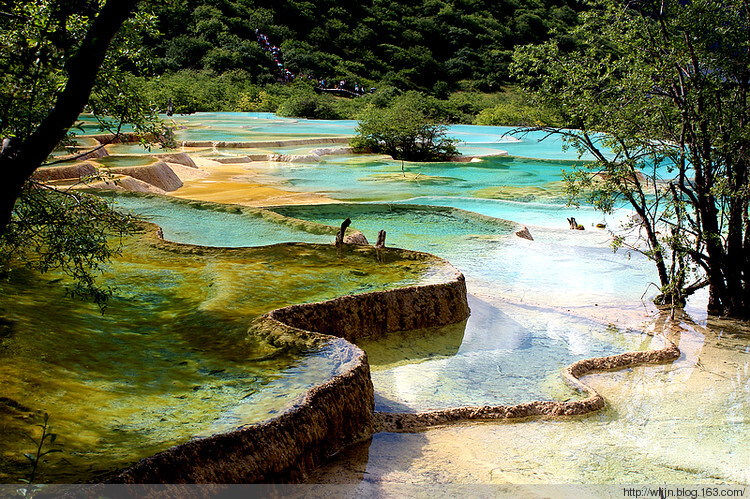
403 131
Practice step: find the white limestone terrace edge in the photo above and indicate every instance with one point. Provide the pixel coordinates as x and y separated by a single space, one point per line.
130 138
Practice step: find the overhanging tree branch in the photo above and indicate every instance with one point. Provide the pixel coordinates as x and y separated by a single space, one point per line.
18 160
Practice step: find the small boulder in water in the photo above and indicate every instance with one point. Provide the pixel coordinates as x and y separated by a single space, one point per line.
357 238
524 233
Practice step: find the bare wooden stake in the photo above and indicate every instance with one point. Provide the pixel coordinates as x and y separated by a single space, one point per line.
381 240
340 236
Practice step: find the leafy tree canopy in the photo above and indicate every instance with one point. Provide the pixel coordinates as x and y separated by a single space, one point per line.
428 45
406 130
658 93
56 57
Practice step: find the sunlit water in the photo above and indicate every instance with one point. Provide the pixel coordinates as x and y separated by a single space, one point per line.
536 307
523 353
171 359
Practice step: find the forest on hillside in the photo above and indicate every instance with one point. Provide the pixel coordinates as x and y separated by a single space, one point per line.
433 46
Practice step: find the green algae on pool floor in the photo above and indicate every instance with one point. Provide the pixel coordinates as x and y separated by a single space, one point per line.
171 358
122 160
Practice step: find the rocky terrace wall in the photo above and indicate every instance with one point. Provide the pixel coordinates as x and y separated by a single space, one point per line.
341 411
64 172
328 417
374 314
284 449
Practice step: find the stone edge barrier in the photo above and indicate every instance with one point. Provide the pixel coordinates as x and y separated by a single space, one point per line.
326 418
339 412
404 422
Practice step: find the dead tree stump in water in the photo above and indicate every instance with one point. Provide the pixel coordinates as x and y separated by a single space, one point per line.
575 225
340 236
381 240
379 245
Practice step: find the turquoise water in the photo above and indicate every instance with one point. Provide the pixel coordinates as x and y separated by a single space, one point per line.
195 224
524 347
379 179
241 127
524 350
526 191
474 139
137 148
560 269
526 213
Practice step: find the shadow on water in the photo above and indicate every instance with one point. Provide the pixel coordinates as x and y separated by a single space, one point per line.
488 328
413 346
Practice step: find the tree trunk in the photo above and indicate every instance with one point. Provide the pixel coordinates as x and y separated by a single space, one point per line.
717 291
341 235
18 161
734 261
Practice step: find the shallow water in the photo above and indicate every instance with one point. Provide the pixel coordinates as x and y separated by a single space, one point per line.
687 423
494 358
171 359
251 127
555 269
495 263
503 358
536 306
198 223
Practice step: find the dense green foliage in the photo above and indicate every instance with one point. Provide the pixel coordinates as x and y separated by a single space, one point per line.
57 56
66 231
669 85
406 130
436 46
201 91
37 39
515 110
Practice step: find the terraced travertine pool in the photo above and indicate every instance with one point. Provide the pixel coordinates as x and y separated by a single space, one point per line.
171 358
536 306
